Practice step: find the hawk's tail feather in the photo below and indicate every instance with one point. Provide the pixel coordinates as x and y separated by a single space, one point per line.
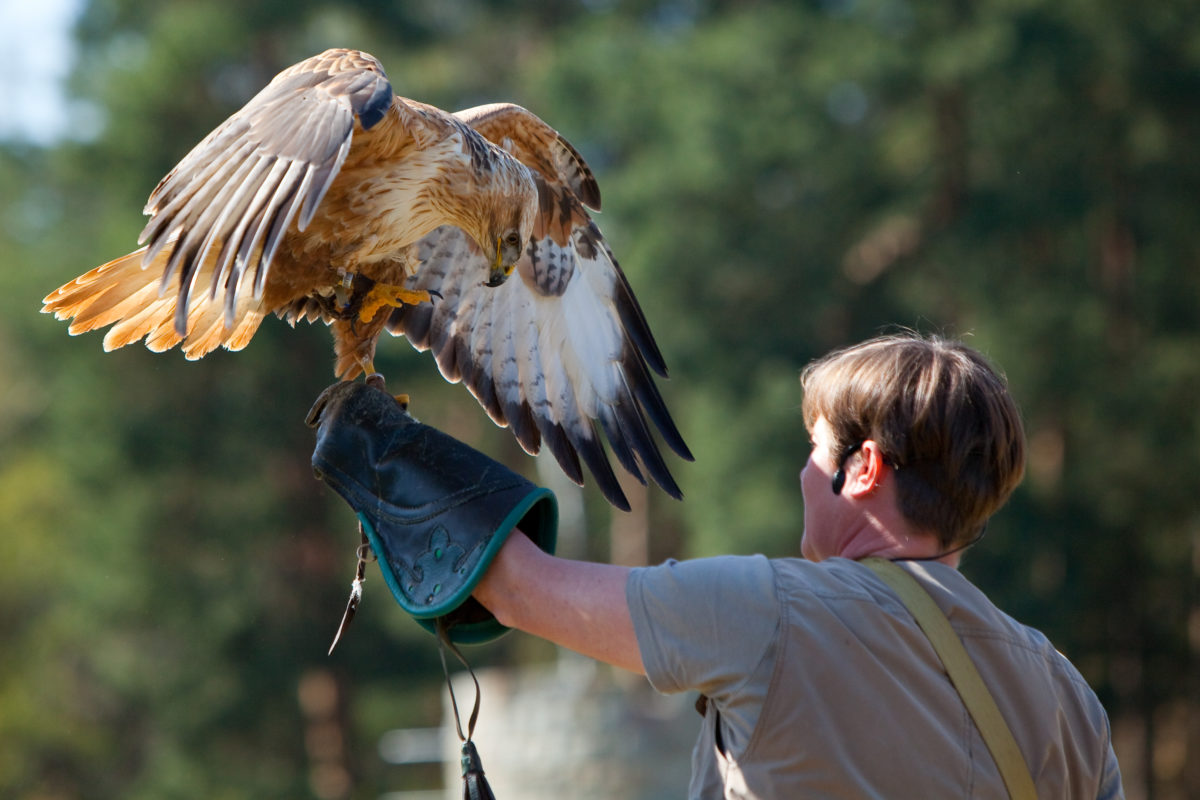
144 322
100 296
206 321
125 295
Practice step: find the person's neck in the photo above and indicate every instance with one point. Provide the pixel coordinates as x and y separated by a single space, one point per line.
893 540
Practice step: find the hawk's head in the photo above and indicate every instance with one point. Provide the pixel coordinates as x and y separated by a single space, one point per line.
507 240
506 207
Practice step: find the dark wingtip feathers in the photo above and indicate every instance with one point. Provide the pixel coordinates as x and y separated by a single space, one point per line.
376 105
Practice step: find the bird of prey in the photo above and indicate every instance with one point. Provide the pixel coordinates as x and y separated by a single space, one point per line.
328 197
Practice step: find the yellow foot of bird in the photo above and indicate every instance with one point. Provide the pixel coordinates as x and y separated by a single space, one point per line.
384 294
376 379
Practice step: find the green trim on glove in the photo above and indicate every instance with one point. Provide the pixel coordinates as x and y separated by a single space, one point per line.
440 557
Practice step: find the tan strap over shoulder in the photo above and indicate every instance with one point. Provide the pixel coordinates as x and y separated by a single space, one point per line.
963 675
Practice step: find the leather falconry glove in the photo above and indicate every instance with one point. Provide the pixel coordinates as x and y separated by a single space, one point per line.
434 510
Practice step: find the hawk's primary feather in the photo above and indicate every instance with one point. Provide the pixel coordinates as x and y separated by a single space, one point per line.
327 195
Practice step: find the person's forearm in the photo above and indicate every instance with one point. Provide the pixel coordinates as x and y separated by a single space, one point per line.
576 604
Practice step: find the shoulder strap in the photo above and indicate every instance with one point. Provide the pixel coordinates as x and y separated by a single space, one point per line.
963 675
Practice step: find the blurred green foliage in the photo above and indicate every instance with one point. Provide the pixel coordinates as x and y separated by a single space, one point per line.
780 178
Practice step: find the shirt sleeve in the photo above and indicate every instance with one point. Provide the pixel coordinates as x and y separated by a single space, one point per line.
705 624
1110 781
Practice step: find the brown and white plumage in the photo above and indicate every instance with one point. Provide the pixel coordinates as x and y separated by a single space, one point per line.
328 197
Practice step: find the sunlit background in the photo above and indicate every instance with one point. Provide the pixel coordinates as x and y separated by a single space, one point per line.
779 178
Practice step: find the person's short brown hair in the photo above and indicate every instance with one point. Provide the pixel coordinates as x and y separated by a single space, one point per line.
942 416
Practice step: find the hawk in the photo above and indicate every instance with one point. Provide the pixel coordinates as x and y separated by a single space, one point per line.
329 197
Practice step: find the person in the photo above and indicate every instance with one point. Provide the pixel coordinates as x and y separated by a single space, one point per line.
817 680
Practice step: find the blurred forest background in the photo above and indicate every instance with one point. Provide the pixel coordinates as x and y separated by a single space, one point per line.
780 178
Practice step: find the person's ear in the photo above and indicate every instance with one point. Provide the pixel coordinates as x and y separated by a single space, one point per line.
868 470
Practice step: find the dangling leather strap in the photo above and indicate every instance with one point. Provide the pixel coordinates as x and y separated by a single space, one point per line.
475 783
963 674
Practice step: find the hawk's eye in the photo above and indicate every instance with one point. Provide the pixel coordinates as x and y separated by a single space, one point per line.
513 239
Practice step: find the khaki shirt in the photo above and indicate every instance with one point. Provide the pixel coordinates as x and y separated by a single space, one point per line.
822 685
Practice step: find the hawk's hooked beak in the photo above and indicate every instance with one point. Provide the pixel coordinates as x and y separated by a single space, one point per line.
500 271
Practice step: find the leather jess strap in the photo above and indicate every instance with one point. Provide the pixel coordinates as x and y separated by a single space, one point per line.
963 675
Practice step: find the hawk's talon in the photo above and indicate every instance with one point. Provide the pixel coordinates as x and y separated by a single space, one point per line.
383 295
375 379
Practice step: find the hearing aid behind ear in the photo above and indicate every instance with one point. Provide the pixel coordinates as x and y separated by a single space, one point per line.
839 477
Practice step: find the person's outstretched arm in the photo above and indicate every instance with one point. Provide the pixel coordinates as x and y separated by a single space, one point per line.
576 604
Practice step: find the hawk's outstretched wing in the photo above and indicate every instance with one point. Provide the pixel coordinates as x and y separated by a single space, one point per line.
272 162
562 350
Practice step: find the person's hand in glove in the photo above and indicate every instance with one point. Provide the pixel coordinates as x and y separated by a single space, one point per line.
434 510
446 521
